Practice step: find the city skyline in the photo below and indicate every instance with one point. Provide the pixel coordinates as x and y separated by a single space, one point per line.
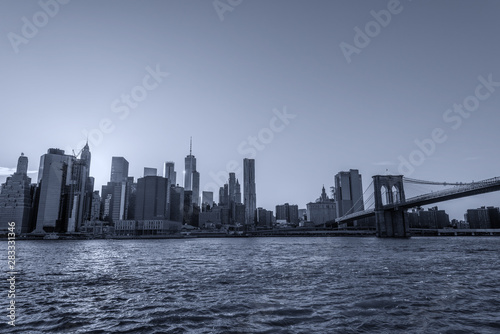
119 180
284 94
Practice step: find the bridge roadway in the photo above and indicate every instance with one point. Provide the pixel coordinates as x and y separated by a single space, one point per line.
475 188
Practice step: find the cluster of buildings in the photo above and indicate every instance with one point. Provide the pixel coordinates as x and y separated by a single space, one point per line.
347 198
63 200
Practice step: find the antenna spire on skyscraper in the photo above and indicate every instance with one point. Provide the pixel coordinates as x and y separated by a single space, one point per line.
190 145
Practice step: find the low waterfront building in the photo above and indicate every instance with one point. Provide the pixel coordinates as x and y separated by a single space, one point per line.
146 227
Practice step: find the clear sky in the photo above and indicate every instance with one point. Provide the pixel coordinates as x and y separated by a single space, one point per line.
359 87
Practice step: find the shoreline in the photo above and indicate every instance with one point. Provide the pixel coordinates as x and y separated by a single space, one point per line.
266 234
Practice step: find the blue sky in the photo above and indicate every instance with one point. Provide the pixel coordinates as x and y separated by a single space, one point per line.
227 80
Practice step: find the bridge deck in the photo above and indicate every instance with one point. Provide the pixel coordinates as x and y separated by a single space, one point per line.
472 189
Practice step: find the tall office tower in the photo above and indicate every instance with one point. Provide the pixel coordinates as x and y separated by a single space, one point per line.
15 199
239 214
237 198
207 200
348 192
196 188
264 218
54 178
80 191
188 207
177 203
117 187
148 171
119 169
189 168
95 210
250 197
131 197
226 196
151 198
191 176
232 188
221 196
169 172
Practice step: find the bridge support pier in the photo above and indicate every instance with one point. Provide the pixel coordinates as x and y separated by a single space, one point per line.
391 220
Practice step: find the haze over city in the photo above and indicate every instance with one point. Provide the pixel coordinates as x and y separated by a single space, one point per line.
229 78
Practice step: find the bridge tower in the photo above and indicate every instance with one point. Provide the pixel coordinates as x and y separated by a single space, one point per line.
391 220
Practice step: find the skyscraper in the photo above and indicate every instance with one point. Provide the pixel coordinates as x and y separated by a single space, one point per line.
348 192
196 188
117 187
148 171
232 188
250 197
54 178
191 176
169 172
151 198
177 204
207 199
119 169
15 199
237 198
80 191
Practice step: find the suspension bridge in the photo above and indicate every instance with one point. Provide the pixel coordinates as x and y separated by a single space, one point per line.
388 203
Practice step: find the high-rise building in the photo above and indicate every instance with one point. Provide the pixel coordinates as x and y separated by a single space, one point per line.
188 207
250 197
264 218
148 171
119 169
196 188
177 203
483 217
237 197
348 192
432 218
80 191
118 188
207 199
189 168
151 198
288 212
95 210
221 196
239 214
191 176
169 172
232 188
65 191
15 199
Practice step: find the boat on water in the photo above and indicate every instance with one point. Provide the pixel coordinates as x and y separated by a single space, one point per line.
51 236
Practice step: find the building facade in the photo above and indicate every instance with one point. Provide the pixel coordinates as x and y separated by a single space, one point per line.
348 192
249 197
15 199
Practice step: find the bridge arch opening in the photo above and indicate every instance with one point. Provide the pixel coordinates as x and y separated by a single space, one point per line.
396 194
385 195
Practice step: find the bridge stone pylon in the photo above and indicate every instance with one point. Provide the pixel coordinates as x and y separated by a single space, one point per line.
391 220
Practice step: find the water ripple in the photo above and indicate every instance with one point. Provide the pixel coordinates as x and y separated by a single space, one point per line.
266 285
